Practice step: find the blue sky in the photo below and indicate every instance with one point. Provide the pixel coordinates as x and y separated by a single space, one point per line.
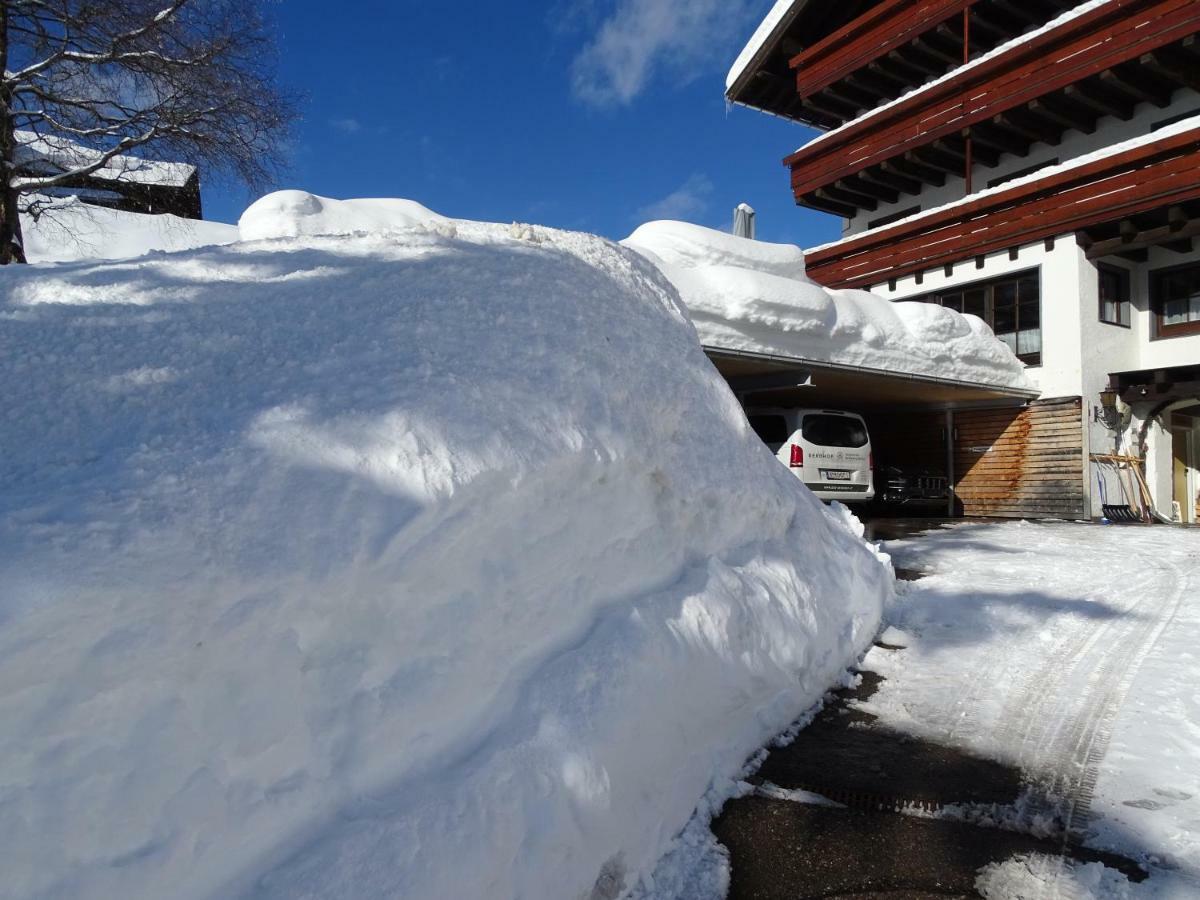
586 114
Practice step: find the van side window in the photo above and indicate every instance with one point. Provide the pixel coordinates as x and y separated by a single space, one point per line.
772 430
834 431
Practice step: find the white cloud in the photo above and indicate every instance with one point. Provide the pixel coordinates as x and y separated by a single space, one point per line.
686 203
349 126
681 38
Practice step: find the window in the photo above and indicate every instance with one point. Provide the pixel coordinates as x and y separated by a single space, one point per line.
1011 306
834 431
1114 295
1175 298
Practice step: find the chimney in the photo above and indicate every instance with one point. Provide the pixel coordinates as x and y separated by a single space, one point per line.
743 221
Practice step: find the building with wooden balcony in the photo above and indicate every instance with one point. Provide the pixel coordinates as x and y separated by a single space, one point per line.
1035 163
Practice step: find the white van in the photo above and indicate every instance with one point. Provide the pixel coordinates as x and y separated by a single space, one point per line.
828 449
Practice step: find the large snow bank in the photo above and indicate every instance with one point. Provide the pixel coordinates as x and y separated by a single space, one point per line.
754 296
438 563
70 230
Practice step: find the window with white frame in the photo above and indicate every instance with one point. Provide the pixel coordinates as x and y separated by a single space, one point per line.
1114 295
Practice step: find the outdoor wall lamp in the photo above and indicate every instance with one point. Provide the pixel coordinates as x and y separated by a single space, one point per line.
1109 411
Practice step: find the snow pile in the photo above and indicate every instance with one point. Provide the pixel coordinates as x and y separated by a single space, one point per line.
754 296
286 214
435 563
70 230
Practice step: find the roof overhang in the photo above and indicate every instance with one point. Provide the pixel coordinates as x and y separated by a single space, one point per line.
837 385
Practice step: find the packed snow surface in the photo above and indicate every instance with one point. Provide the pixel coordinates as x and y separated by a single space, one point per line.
754 296
436 562
1070 652
69 230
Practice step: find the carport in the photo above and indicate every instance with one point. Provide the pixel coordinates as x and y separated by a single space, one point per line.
973 435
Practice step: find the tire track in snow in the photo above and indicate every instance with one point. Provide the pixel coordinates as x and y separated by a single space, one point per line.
1061 738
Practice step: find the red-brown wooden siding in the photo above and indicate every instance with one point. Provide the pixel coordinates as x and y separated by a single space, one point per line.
1022 463
1146 178
1116 32
883 28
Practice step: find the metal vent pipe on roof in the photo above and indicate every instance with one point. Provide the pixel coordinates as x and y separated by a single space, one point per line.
743 221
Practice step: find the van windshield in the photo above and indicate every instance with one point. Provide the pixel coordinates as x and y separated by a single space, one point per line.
834 431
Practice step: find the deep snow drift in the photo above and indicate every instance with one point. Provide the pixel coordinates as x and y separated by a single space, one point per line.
434 562
70 231
755 296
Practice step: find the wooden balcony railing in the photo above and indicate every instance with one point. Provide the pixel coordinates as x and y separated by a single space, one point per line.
1083 47
882 29
1159 175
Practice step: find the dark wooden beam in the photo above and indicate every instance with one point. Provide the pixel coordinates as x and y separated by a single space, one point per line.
1140 84
1105 102
1066 114
999 138
830 107
838 194
1172 64
927 46
858 183
1030 126
906 168
918 60
826 204
1138 241
935 158
892 180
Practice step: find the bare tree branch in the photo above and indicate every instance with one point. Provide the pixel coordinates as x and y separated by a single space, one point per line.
98 81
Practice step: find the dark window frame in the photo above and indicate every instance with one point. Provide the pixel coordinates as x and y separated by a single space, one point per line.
1159 330
1033 360
1125 277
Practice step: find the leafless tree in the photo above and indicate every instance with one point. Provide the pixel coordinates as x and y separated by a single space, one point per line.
103 82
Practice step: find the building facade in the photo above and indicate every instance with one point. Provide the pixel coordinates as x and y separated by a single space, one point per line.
1036 164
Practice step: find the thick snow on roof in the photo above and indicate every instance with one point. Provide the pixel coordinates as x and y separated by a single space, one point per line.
1189 124
63 154
760 37
754 296
436 562
70 231
1073 13
293 213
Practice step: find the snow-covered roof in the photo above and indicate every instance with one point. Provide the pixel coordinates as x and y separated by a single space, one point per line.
71 230
1192 123
766 33
287 214
65 155
753 296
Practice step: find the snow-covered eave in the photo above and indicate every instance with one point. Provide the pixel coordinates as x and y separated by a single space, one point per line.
1001 390
1181 127
765 37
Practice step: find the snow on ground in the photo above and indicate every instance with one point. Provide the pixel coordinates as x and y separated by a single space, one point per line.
70 231
754 296
430 562
1073 652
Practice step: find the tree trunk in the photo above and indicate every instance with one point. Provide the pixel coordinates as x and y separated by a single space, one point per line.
11 244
